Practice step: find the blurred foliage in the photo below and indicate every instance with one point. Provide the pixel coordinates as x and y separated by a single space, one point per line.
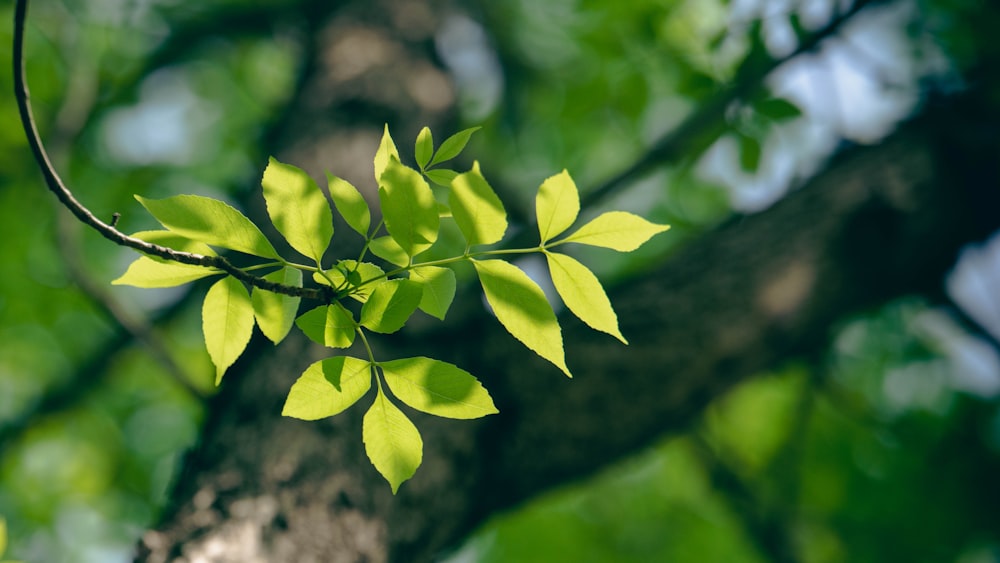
873 453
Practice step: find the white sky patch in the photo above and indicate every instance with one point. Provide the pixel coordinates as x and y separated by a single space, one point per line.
466 51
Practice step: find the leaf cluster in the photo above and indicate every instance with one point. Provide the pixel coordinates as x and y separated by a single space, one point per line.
388 282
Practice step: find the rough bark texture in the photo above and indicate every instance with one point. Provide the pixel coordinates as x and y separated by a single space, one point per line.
881 222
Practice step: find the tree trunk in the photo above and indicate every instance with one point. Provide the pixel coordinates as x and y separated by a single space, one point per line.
880 222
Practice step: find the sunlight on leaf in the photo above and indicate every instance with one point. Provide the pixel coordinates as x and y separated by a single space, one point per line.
476 208
618 230
151 272
583 294
298 209
424 147
438 286
392 442
328 387
350 204
210 221
556 205
453 146
275 312
329 325
390 305
227 323
386 151
437 388
409 208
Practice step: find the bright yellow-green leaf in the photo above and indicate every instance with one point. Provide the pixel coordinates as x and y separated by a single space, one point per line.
227 322
175 241
352 274
329 325
209 221
350 204
424 147
522 309
438 289
328 387
275 312
556 205
151 272
453 146
437 388
298 208
386 151
618 230
441 176
389 250
476 208
392 442
409 208
390 305
583 294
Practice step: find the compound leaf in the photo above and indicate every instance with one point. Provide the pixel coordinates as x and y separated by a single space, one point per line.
227 322
392 442
409 208
329 325
438 289
476 208
328 387
388 249
556 205
583 294
522 309
350 204
390 305
437 388
210 221
386 152
297 208
424 147
453 146
618 230
149 272
350 274
275 312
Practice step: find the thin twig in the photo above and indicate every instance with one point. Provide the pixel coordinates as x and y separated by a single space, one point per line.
56 185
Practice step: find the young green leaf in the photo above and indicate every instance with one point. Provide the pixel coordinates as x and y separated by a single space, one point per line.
148 272
297 208
522 309
438 289
441 176
350 204
424 147
329 325
437 388
351 274
556 205
618 230
390 305
583 294
392 442
409 208
750 151
386 152
389 250
476 208
453 146
227 322
210 221
328 387
175 241
275 313
778 109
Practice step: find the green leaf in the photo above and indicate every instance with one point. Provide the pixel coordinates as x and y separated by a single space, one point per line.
437 388
227 322
386 152
3 536
556 205
149 272
522 309
298 209
583 294
438 289
389 250
452 146
392 442
441 176
390 305
175 241
424 147
329 325
409 208
351 273
350 204
476 208
618 230
275 312
749 153
210 221
328 387
778 109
